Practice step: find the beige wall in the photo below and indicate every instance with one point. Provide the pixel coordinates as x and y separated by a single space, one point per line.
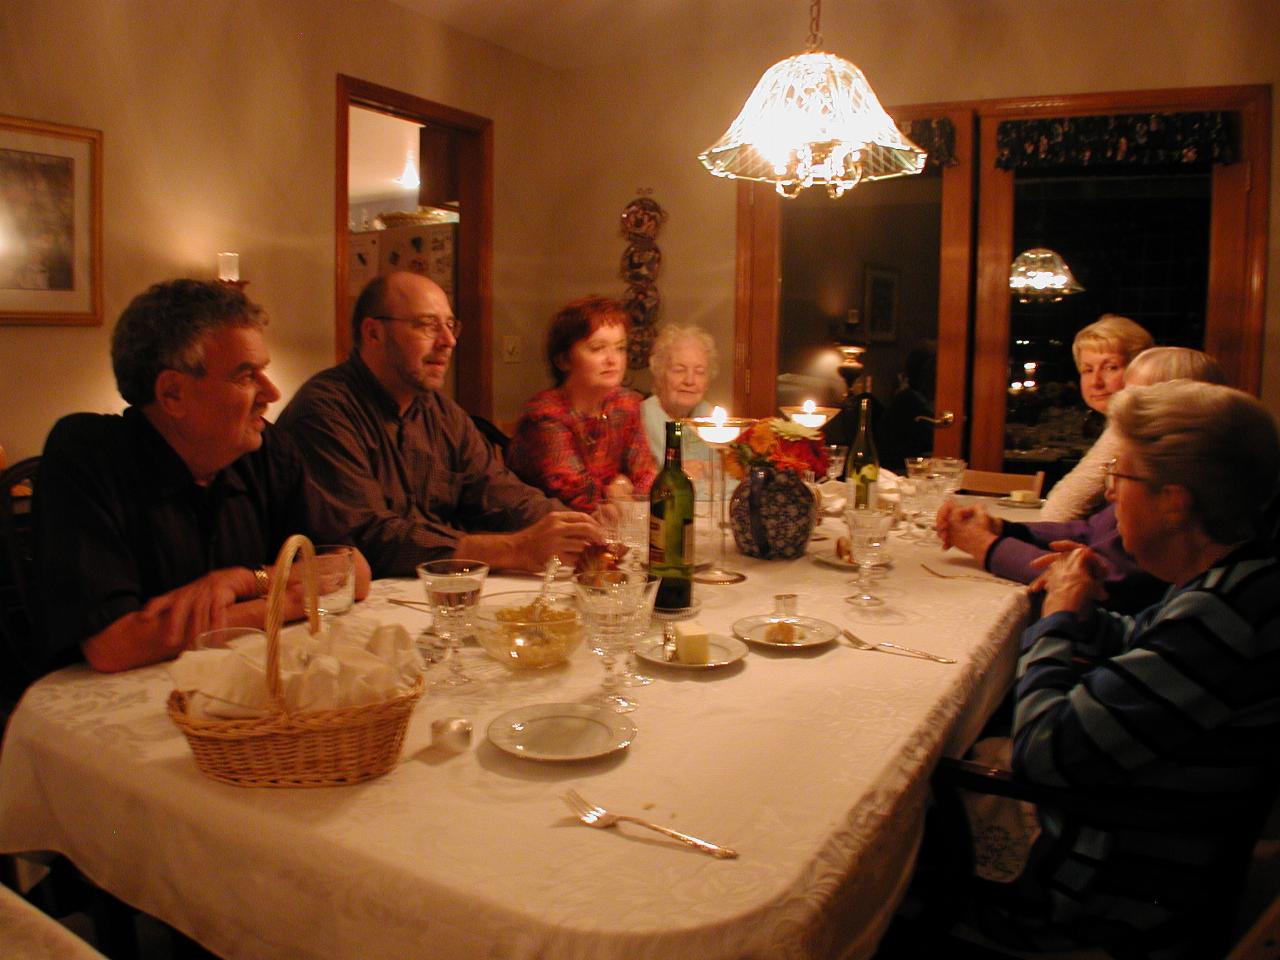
219 115
218 120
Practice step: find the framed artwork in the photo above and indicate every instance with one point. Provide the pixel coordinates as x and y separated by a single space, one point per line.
880 303
50 223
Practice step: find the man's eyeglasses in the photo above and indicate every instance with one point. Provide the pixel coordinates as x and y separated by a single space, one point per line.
1110 475
429 327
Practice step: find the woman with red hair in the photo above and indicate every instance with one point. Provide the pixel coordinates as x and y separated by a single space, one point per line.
576 439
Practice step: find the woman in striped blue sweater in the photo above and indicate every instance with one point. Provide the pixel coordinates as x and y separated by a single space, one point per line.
1177 708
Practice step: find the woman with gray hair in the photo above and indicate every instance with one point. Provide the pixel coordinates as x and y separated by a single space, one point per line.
683 362
1173 710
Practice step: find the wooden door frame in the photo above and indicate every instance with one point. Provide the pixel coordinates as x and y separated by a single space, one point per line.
473 297
1234 312
758 283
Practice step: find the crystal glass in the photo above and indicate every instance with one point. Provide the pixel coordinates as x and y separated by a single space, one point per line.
918 466
615 605
931 490
836 454
868 534
719 432
452 588
625 520
909 505
335 579
951 468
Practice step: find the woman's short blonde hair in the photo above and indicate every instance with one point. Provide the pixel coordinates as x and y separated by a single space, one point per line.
1159 364
1112 333
1219 443
670 337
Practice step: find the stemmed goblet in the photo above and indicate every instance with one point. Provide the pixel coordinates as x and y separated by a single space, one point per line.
615 606
868 531
719 431
626 521
452 588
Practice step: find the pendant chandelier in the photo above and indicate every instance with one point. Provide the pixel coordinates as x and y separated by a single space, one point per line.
813 119
1041 275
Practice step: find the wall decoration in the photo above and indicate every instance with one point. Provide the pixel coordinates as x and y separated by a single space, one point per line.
641 260
880 303
50 223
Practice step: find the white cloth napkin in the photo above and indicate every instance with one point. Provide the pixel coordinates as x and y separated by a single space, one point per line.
353 661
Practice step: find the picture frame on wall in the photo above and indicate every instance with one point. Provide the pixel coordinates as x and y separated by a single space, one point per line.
880 303
50 223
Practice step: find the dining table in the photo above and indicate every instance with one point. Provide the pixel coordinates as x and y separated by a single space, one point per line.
812 762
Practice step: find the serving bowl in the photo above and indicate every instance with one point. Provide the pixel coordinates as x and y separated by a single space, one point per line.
524 632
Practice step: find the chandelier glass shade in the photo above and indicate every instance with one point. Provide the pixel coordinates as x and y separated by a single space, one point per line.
813 119
1041 274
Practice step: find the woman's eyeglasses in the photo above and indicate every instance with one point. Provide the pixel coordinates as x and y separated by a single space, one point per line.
1110 474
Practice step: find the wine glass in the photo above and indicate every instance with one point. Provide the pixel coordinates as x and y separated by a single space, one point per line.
918 467
452 588
909 505
931 490
868 532
626 521
950 468
615 606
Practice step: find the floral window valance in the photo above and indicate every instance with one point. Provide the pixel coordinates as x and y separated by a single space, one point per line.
1126 140
936 137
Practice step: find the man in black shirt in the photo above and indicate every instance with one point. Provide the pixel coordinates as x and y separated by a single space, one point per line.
157 525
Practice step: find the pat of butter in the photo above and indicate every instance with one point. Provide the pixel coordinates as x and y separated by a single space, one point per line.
691 642
1024 496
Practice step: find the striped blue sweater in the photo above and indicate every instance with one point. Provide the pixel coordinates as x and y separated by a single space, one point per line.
1180 702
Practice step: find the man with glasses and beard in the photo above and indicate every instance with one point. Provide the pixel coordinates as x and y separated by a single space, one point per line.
405 464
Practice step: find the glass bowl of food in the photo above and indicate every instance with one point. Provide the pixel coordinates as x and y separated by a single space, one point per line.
528 629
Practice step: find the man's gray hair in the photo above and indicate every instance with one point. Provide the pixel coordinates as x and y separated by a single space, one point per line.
1173 363
164 328
1219 443
671 336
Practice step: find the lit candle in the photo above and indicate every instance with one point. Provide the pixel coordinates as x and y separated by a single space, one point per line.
808 415
717 430
229 267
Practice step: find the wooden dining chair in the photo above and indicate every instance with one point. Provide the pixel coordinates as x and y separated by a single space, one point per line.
993 482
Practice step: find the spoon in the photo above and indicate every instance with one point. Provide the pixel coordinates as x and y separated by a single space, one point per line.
548 578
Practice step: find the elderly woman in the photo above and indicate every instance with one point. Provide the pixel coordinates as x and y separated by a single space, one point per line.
577 439
683 361
1175 707
1102 352
1011 550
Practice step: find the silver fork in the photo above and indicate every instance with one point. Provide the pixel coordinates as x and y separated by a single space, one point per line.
861 644
967 576
595 816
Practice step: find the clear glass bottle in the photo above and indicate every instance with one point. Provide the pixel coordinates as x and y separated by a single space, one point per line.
862 466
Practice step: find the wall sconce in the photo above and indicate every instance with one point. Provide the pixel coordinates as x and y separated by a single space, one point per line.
229 270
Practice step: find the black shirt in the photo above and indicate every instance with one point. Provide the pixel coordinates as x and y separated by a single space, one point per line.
119 519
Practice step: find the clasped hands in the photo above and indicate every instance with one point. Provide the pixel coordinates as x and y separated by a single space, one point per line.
1071 576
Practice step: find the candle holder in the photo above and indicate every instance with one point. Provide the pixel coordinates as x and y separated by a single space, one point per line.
718 432
809 415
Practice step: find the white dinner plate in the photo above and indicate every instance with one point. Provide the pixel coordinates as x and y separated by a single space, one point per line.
561 731
811 632
721 651
1025 504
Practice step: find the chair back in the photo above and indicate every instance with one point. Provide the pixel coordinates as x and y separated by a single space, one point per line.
988 481
17 579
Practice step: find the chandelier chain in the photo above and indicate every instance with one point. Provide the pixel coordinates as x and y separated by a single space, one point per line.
815 18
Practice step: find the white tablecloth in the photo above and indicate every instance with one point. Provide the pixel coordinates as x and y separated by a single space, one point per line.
813 764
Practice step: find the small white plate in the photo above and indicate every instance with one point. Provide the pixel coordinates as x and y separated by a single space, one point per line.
721 651
812 631
828 558
561 731
1025 504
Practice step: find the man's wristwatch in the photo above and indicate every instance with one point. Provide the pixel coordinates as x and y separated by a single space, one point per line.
262 580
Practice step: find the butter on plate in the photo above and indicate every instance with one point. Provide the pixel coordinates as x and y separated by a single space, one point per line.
691 642
1024 496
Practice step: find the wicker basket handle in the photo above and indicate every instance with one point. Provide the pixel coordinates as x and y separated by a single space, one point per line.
275 606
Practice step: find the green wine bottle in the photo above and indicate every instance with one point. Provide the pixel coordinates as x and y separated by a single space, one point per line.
671 527
862 468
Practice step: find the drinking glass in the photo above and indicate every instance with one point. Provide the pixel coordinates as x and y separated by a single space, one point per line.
868 532
918 466
626 521
616 605
836 454
335 579
909 504
952 469
931 490
452 588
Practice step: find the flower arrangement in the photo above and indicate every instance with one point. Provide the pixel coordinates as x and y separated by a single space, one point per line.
780 444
